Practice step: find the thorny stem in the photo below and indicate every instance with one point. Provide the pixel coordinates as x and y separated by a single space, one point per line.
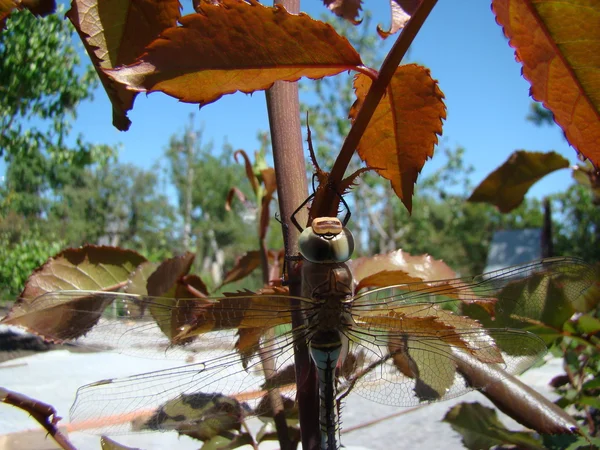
44 414
372 99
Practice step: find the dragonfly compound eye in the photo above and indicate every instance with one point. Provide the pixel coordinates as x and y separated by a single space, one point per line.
326 242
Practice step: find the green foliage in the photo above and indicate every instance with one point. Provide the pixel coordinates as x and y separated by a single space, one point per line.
41 83
20 254
577 230
444 225
216 235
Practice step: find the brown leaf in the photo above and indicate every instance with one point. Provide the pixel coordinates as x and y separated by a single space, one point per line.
115 34
243 267
234 192
40 8
403 131
164 279
247 343
249 170
192 284
506 186
423 267
433 323
386 278
166 284
347 9
558 44
6 7
239 310
43 311
237 46
402 10
270 182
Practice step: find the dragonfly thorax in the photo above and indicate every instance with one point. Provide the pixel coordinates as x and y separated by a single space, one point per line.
326 241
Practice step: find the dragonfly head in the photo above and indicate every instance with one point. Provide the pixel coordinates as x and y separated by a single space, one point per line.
326 241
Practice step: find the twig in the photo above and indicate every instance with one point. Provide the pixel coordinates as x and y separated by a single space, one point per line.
43 413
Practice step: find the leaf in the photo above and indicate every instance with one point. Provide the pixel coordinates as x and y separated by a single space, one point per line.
107 443
239 310
386 278
86 268
247 343
402 10
480 428
558 44
139 278
587 176
237 46
403 131
165 283
243 267
270 182
506 186
201 416
421 267
347 9
541 303
115 33
39 8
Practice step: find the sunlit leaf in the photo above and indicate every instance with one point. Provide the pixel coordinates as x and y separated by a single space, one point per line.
558 44
480 428
237 46
404 129
347 9
421 267
541 303
506 186
386 278
247 343
85 268
115 33
401 10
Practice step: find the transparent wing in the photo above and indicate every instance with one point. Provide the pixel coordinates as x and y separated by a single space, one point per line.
154 327
132 403
206 330
411 345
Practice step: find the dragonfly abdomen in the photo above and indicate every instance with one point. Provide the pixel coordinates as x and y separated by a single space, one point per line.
325 350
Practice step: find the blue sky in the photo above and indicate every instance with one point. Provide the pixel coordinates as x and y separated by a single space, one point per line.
486 96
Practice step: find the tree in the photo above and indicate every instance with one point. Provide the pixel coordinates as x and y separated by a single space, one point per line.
202 180
35 89
397 116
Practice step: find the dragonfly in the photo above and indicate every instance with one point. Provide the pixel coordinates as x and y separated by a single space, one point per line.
403 345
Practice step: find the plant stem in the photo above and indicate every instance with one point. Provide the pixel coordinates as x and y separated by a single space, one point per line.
283 107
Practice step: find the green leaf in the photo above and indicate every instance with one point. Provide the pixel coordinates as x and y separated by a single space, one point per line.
507 185
588 324
481 429
44 310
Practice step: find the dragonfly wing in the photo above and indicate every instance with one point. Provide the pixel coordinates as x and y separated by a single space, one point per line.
142 402
153 327
535 290
420 356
